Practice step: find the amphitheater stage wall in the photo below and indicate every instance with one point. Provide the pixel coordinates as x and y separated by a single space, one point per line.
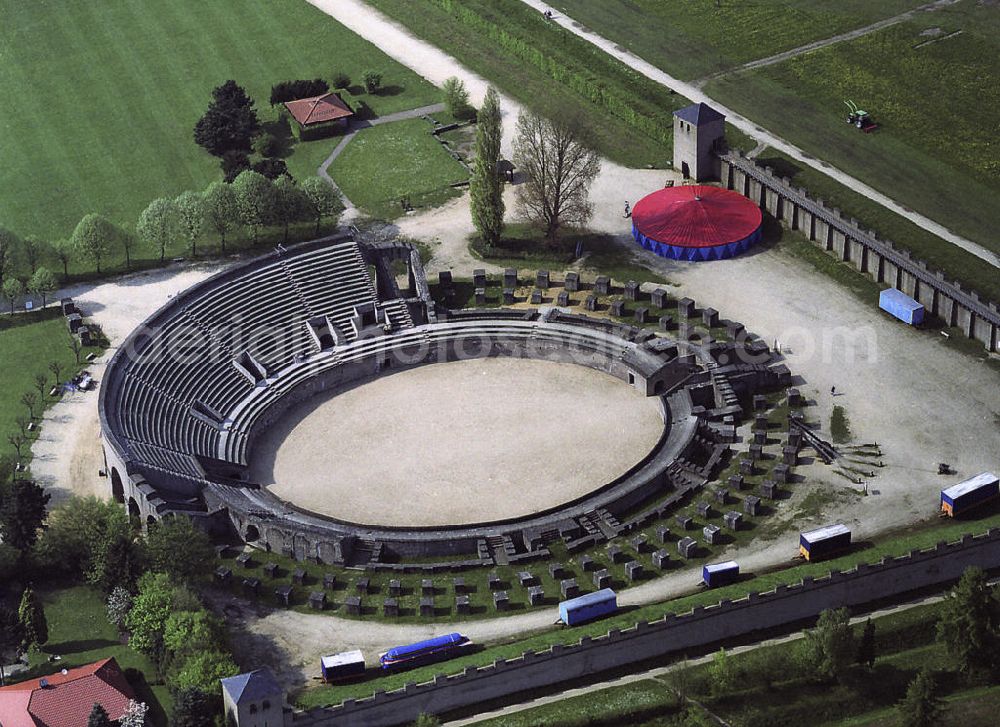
878 258
693 632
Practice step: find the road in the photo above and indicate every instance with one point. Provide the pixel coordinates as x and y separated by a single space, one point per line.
697 95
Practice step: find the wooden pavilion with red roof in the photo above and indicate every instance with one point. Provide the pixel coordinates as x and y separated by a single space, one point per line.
65 699
319 116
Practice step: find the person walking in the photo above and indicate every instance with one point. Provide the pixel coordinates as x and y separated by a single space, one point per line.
628 210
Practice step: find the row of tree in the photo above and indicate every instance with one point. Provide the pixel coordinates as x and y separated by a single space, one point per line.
252 202
557 167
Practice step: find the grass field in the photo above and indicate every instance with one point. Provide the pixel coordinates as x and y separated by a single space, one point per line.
935 151
79 633
28 342
922 535
402 159
103 97
955 263
626 116
905 642
693 38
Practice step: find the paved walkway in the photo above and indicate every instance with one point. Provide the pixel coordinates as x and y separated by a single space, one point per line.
696 95
833 40
350 211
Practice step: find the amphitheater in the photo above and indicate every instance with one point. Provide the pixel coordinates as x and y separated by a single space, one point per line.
317 402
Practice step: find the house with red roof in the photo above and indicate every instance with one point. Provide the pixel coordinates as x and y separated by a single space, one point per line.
66 699
319 116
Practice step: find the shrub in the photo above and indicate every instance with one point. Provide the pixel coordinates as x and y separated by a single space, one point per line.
456 98
341 80
267 145
372 81
291 90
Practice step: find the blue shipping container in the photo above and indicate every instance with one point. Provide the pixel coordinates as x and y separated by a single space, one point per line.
900 305
587 608
720 574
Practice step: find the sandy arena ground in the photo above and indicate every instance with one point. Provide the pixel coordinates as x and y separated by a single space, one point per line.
921 401
460 442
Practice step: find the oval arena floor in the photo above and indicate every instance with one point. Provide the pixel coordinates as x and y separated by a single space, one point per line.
455 443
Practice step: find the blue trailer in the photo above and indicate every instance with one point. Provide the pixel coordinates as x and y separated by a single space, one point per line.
898 304
424 652
824 542
345 665
720 574
588 607
975 491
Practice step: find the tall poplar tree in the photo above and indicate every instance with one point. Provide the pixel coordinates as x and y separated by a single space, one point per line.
486 186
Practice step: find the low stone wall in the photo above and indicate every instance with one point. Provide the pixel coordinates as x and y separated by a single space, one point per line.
671 634
878 258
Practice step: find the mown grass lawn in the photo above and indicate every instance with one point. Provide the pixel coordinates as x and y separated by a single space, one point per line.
936 104
28 342
691 39
102 97
386 163
80 634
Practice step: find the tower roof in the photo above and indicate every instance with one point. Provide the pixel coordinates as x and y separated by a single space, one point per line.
252 686
698 114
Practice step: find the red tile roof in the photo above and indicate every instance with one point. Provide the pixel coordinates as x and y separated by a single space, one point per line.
67 698
318 109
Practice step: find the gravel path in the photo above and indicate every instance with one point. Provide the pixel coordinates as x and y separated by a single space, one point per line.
697 95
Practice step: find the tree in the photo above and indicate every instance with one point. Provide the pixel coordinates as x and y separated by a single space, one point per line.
832 643
254 201
17 441
128 242
33 248
135 714
93 238
41 385
157 225
150 610
180 549
43 283
64 250
8 243
866 646
114 557
98 717
456 97
190 208
290 203
22 425
11 637
372 80
271 168
266 144
13 291
118 605
73 530
203 670
220 210
321 198
230 121
233 162
291 90
558 170
968 623
75 346
190 632
34 627
486 185
921 706
194 708
23 509
56 368
29 399
723 673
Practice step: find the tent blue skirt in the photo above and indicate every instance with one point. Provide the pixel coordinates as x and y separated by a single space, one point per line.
696 254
